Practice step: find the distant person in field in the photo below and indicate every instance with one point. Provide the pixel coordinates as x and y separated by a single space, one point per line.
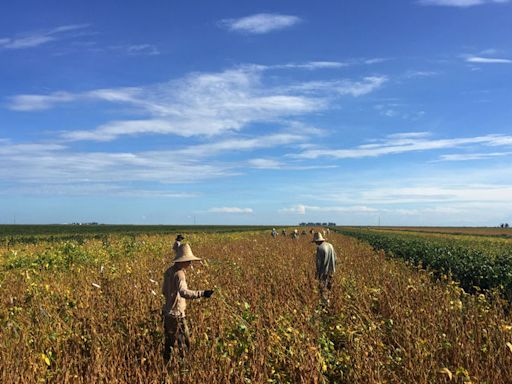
274 233
325 263
295 234
176 292
283 232
177 243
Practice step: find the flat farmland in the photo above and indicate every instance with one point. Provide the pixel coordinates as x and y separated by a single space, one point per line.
84 311
479 231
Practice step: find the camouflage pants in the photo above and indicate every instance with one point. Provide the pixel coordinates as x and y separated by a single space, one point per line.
176 332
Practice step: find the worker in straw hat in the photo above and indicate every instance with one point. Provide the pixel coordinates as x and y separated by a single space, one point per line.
176 292
325 264
177 243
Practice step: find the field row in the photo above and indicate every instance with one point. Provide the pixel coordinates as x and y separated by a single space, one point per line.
477 263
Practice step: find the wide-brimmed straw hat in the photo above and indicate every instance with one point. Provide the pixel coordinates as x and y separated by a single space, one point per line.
185 254
317 237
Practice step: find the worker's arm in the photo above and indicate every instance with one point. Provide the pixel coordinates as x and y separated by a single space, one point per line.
183 288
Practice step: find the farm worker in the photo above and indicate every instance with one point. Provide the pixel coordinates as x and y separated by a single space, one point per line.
274 233
325 263
295 234
177 243
176 292
328 230
283 232
304 232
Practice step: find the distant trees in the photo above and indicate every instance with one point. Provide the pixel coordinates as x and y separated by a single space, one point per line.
504 225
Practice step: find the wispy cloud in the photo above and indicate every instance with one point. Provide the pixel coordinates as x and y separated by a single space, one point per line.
473 156
39 102
460 3
260 163
302 209
402 144
411 74
35 39
265 163
204 104
230 210
487 60
240 144
297 209
260 23
131 50
143 49
342 87
311 65
57 164
50 163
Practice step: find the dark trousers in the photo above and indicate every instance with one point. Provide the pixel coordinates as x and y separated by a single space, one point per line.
177 334
325 284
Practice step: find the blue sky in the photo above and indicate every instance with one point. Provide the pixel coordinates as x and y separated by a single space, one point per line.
260 112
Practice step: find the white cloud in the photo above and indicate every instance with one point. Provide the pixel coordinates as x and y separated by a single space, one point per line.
311 65
6 148
419 74
303 209
409 135
297 209
36 39
143 49
230 210
473 156
394 144
487 60
260 23
56 164
342 87
460 3
204 104
239 144
442 194
265 163
376 60
39 102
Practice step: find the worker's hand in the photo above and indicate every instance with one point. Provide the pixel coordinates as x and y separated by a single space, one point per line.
208 293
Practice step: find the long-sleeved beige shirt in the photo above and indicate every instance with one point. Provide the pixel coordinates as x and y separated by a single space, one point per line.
176 292
325 260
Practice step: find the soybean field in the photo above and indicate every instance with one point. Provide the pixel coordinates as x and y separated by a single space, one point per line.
85 308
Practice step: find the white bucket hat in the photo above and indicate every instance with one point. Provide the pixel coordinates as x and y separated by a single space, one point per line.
317 237
185 254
